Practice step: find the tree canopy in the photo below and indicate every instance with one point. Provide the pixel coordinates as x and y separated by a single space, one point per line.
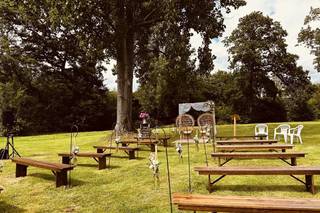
264 68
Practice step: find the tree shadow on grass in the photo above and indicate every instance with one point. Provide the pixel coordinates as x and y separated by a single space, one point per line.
96 166
52 178
260 188
8 208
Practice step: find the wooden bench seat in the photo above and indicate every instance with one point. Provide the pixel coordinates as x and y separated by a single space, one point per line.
281 147
245 142
60 170
147 142
217 203
240 137
128 150
308 171
100 158
258 155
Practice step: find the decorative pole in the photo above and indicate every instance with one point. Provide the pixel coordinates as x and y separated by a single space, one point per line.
235 117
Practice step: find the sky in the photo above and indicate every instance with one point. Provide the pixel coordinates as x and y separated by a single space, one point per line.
290 14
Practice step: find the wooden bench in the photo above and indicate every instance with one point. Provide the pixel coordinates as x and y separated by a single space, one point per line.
293 170
240 137
100 158
245 142
59 170
129 150
281 147
258 155
217 203
148 142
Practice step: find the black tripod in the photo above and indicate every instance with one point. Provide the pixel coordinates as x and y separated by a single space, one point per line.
6 154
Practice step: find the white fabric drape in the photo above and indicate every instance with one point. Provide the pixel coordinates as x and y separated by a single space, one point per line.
199 106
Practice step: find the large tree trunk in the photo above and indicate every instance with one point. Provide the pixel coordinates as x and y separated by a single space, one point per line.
125 40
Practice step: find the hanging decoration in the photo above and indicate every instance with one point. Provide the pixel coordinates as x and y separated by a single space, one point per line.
74 149
179 150
196 140
154 166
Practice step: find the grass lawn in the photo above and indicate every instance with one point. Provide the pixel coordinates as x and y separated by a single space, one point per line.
129 185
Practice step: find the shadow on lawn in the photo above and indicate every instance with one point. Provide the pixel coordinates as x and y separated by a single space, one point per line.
260 188
7 208
74 182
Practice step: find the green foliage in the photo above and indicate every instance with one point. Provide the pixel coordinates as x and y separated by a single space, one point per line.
310 35
55 58
314 101
265 71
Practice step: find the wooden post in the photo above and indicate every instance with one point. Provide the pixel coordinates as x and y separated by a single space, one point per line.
61 178
310 184
234 126
21 170
102 162
293 161
131 154
66 159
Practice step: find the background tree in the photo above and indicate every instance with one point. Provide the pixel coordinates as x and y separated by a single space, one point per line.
263 67
310 36
82 34
53 68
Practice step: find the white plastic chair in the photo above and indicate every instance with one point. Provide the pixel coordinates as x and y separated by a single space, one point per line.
261 130
295 132
282 129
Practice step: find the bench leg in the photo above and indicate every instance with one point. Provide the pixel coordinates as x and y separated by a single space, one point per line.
293 161
310 184
153 149
132 154
61 178
65 159
102 163
209 184
21 170
99 150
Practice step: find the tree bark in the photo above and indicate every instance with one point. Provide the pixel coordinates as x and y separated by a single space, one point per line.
125 60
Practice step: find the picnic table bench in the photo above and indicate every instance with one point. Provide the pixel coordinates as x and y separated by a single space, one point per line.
245 142
258 155
281 147
128 150
100 158
293 170
218 203
59 170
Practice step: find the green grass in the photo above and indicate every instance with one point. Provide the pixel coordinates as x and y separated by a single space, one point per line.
129 185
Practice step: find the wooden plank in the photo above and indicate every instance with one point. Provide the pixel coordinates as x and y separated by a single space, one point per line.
242 142
86 154
253 155
115 147
254 147
244 204
296 170
42 164
240 136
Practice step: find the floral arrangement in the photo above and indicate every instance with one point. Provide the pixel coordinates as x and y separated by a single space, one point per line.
144 115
